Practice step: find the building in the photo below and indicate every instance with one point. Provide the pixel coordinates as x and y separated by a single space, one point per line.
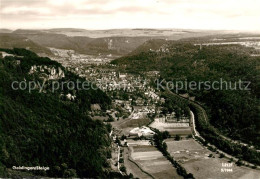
142 131
121 75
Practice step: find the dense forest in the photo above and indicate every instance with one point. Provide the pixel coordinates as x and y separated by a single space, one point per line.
46 129
234 113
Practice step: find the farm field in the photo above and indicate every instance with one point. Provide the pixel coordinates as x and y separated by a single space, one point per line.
142 143
173 128
131 167
125 123
195 159
150 160
178 131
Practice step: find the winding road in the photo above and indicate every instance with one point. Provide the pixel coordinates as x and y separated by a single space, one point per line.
206 120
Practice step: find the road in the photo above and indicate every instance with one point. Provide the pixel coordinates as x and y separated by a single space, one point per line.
193 124
206 120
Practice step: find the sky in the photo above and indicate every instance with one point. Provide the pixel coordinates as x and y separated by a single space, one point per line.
112 14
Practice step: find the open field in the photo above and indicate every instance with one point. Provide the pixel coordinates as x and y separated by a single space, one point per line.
150 160
211 168
173 128
174 146
142 143
144 148
175 131
124 126
124 123
194 158
131 167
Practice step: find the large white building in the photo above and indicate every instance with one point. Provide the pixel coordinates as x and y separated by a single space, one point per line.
142 131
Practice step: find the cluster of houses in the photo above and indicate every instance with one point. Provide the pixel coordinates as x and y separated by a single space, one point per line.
171 118
138 111
76 62
108 80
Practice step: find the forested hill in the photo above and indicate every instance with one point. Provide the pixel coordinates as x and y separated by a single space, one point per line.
234 112
10 40
45 128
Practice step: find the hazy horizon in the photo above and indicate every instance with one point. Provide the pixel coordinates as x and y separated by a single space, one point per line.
231 15
135 28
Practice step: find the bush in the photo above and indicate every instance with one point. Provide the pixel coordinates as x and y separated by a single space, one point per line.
166 135
254 167
177 137
231 160
123 137
221 155
121 160
131 175
110 119
122 168
239 162
189 136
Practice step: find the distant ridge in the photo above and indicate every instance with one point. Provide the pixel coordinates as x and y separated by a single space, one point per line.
11 40
5 31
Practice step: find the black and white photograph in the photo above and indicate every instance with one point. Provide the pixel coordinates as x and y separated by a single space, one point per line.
131 89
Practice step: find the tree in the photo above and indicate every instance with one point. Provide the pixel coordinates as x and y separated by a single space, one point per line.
125 96
110 119
231 160
123 137
166 135
118 141
121 160
164 146
177 137
190 175
239 162
70 173
189 136
122 168
221 155
131 175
